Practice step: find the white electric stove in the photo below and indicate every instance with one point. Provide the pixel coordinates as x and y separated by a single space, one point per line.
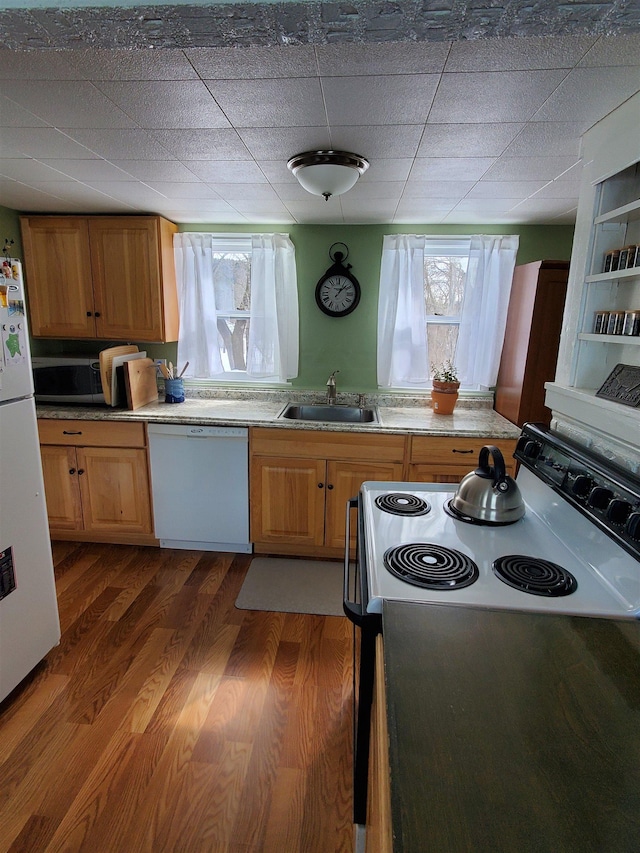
576 550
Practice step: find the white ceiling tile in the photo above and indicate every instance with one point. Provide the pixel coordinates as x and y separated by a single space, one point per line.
437 189
75 191
422 210
542 207
13 115
266 210
491 206
253 63
27 169
270 103
487 189
314 209
166 104
282 143
213 144
587 94
567 190
516 54
227 171
191 217
467 140
246 192
276 172
613 50
191 190
79 102
159 170
376 210
290 191
388 170
381 142
82 170
118 144
37 65
450 168
212 206
376 190
157 64
498 96
27 199
541 138
132 192
382 100
384 58
41 142
528 168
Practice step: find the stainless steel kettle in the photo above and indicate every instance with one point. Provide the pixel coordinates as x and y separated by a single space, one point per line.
488 495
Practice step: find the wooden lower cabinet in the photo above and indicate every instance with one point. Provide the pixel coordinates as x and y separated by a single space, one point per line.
300 486
447 460
379 837
96 493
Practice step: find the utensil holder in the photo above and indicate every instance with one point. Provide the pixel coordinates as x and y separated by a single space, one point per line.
173 391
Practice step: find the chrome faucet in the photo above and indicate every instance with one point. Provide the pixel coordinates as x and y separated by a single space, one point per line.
331 388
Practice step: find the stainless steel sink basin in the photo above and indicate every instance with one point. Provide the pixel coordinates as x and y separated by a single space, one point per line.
330 414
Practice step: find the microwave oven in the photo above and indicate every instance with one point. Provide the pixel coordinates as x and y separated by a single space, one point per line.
67 379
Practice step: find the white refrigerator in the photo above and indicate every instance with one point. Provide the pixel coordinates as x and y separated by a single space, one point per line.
29 623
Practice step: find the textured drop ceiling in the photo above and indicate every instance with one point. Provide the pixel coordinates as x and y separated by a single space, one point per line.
468 113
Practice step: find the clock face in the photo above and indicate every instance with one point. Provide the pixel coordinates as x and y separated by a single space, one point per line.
337 295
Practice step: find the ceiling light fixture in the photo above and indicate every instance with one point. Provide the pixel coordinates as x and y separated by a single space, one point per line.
327 173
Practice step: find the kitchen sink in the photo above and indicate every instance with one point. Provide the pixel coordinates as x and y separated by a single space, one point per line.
330 414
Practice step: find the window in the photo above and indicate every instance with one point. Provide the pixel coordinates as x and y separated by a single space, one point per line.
238 307
443 298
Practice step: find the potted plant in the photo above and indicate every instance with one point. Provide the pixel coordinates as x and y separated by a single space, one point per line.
445 387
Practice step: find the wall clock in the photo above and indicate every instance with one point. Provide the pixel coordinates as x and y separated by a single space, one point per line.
338 291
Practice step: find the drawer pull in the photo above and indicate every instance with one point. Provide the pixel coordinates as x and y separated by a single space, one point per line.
80 471
72 471
329 487
71 432
321 485
453 450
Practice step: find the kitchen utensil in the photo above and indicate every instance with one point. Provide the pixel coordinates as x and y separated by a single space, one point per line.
106 366
183 370
488 494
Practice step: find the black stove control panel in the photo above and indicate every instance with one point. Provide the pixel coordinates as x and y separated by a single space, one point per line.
605 492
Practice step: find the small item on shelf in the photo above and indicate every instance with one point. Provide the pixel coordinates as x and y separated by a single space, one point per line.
607 262
631 323
615 260
600 322
631 257
623 258
616 323
636 259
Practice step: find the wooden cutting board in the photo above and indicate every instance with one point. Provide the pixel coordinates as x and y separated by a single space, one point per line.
106 366
140 382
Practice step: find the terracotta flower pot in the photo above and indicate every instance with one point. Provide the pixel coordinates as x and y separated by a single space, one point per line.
444 396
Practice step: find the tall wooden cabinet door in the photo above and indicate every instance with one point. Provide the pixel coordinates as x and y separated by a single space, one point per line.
343 482
58 276
125 257
114 485
61 487
287 500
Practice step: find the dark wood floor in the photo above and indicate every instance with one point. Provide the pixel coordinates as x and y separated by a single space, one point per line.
168 720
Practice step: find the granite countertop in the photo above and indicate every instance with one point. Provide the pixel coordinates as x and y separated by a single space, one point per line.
512 731
263 410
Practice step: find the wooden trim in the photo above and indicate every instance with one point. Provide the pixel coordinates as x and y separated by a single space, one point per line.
348 446
108 538
170 312
319 551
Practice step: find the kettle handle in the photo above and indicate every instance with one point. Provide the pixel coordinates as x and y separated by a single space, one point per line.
497 473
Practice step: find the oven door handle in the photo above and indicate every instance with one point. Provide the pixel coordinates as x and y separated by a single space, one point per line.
353 610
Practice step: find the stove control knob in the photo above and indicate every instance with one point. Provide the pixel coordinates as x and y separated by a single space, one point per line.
581 486
531 449
618 511
600 497
632 527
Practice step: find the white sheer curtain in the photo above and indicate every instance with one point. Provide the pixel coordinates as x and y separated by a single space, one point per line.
403 358
484 311
273 329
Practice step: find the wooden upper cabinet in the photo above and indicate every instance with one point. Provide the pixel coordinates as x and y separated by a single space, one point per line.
105 277
59 280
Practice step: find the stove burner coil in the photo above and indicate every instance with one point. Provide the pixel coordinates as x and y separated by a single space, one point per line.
431 566
538 577
398 503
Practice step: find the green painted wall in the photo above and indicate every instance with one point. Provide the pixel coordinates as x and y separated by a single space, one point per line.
347 344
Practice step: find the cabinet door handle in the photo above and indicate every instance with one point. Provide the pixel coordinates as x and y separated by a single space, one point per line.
97 314
80 471
461 451
89 314
71 432
321 485
72 471
329 487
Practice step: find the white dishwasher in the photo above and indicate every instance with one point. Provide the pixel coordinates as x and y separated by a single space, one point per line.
200 486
